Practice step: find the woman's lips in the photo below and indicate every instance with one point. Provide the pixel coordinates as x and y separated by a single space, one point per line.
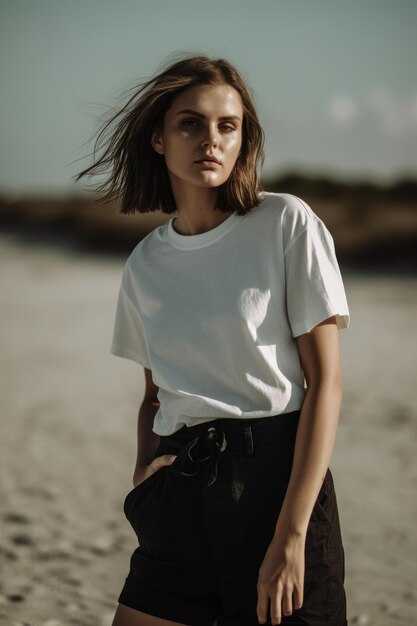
208 164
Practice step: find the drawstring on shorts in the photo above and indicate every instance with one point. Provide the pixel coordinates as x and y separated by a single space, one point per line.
203 451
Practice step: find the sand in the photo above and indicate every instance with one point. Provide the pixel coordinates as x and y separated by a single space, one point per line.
68 425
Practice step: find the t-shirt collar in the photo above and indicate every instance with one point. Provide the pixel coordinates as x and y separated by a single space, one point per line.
192 242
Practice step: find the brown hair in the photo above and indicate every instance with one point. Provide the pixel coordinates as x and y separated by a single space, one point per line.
139 175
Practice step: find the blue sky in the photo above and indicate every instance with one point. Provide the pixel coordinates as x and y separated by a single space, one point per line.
335 82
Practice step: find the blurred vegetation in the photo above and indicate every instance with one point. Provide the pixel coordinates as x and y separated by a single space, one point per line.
374 226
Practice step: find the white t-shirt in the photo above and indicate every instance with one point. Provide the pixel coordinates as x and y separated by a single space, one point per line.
214 315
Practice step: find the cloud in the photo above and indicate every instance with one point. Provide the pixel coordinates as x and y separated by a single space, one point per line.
394 115
342 109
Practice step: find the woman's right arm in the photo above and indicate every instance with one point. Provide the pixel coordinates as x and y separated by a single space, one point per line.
147 440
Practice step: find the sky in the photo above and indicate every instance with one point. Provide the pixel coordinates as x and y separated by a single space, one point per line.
334 82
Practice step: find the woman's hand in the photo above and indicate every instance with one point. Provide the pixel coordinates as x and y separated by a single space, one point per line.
142 472
281 578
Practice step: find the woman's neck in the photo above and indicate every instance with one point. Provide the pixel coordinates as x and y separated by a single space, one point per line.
196 210
197 223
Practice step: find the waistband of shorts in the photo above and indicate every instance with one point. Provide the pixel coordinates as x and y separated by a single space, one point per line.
241 431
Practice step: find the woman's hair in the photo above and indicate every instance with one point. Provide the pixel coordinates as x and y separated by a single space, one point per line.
139 175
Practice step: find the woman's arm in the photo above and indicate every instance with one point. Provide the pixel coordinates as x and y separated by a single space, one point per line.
316 433
147 440
281 575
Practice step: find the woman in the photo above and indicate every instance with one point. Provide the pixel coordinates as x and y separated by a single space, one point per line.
232 307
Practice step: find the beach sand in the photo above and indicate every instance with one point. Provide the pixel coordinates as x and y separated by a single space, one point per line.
69 411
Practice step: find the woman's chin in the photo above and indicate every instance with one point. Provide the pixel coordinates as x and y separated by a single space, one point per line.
210 180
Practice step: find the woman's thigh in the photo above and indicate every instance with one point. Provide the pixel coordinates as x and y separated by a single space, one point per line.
125 616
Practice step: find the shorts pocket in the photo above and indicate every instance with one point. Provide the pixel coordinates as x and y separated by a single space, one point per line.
139 491
137 494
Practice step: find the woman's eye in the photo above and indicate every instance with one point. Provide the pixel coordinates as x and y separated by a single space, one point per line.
189 122
223 127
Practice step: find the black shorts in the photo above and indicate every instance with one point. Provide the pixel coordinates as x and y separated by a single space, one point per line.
204 524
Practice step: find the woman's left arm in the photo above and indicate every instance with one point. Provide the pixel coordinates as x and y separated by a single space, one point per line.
281 574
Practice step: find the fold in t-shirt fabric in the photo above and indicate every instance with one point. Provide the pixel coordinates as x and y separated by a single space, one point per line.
214 315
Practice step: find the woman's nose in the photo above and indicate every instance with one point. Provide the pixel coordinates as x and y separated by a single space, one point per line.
210 139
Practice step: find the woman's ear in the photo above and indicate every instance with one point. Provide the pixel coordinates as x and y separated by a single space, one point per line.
157 142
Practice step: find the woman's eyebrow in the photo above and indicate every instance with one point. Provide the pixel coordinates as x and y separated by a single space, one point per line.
197 114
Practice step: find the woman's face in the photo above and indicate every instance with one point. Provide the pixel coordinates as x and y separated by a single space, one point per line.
203 121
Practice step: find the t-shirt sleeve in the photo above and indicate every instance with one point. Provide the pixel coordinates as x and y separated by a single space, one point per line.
128 335
314 285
